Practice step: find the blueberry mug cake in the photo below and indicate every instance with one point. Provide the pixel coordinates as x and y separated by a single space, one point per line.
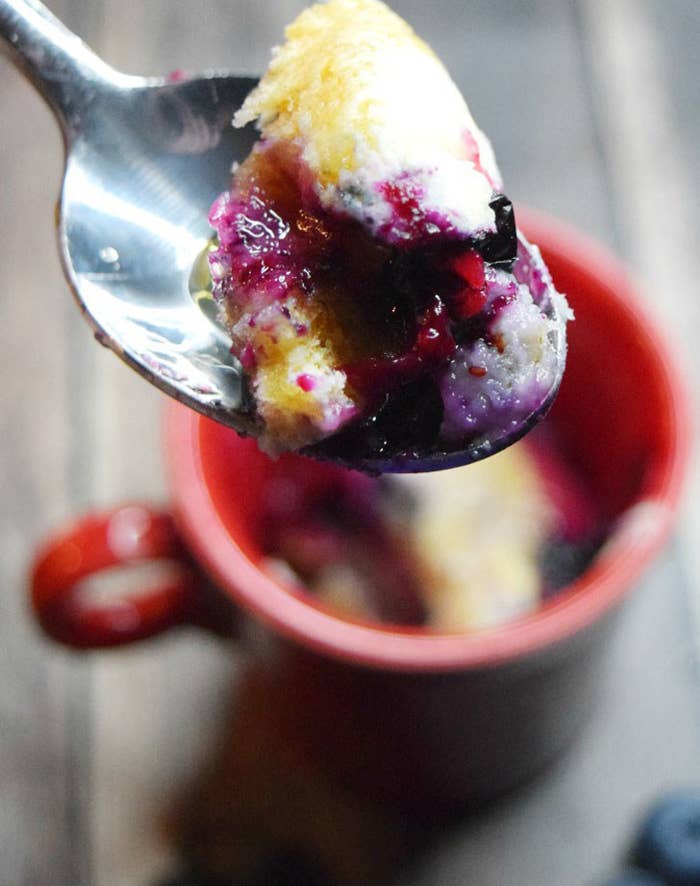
447 551
366 258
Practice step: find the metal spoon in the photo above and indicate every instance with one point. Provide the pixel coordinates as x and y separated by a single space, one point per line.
145 158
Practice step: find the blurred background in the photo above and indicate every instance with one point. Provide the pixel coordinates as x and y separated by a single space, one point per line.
109 763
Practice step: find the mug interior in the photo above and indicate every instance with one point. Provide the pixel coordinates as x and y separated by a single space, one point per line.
620 421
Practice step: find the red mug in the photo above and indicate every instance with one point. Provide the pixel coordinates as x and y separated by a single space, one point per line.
421 719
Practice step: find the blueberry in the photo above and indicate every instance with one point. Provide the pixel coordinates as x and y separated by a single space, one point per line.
561 562
501 248
410 418
634 877
668 842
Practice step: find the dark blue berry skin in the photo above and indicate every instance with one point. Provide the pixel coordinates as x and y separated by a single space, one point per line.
634 877
501 248
668 842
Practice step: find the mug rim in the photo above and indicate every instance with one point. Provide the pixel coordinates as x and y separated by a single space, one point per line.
634 542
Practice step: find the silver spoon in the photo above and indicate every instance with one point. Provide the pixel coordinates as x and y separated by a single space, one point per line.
145 158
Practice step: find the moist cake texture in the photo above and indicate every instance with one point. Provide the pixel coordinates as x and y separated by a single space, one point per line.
368 266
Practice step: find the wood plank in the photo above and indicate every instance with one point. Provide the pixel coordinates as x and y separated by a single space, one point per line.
156 708
44 694
573 825
506 97
654 192
93 751
519 67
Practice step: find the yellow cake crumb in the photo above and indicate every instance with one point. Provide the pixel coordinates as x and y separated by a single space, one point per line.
293 416
349 83
476 532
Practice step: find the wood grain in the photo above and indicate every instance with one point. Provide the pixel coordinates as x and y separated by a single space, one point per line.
94 750
43 695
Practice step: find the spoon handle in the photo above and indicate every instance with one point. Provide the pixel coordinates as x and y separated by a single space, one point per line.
62 68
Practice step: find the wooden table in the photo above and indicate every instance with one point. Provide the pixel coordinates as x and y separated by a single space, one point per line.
592 107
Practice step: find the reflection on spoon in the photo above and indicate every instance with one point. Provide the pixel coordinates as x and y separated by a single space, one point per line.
145 159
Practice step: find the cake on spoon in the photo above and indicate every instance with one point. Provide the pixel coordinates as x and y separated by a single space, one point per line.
368 267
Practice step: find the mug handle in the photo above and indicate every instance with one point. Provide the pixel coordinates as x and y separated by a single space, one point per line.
128 535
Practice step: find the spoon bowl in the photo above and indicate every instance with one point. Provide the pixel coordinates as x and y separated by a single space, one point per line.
145 159
133 220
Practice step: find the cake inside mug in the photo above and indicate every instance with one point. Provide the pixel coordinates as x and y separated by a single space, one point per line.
366 255
450 551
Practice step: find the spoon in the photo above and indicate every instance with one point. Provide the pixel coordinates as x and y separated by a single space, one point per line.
145 158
